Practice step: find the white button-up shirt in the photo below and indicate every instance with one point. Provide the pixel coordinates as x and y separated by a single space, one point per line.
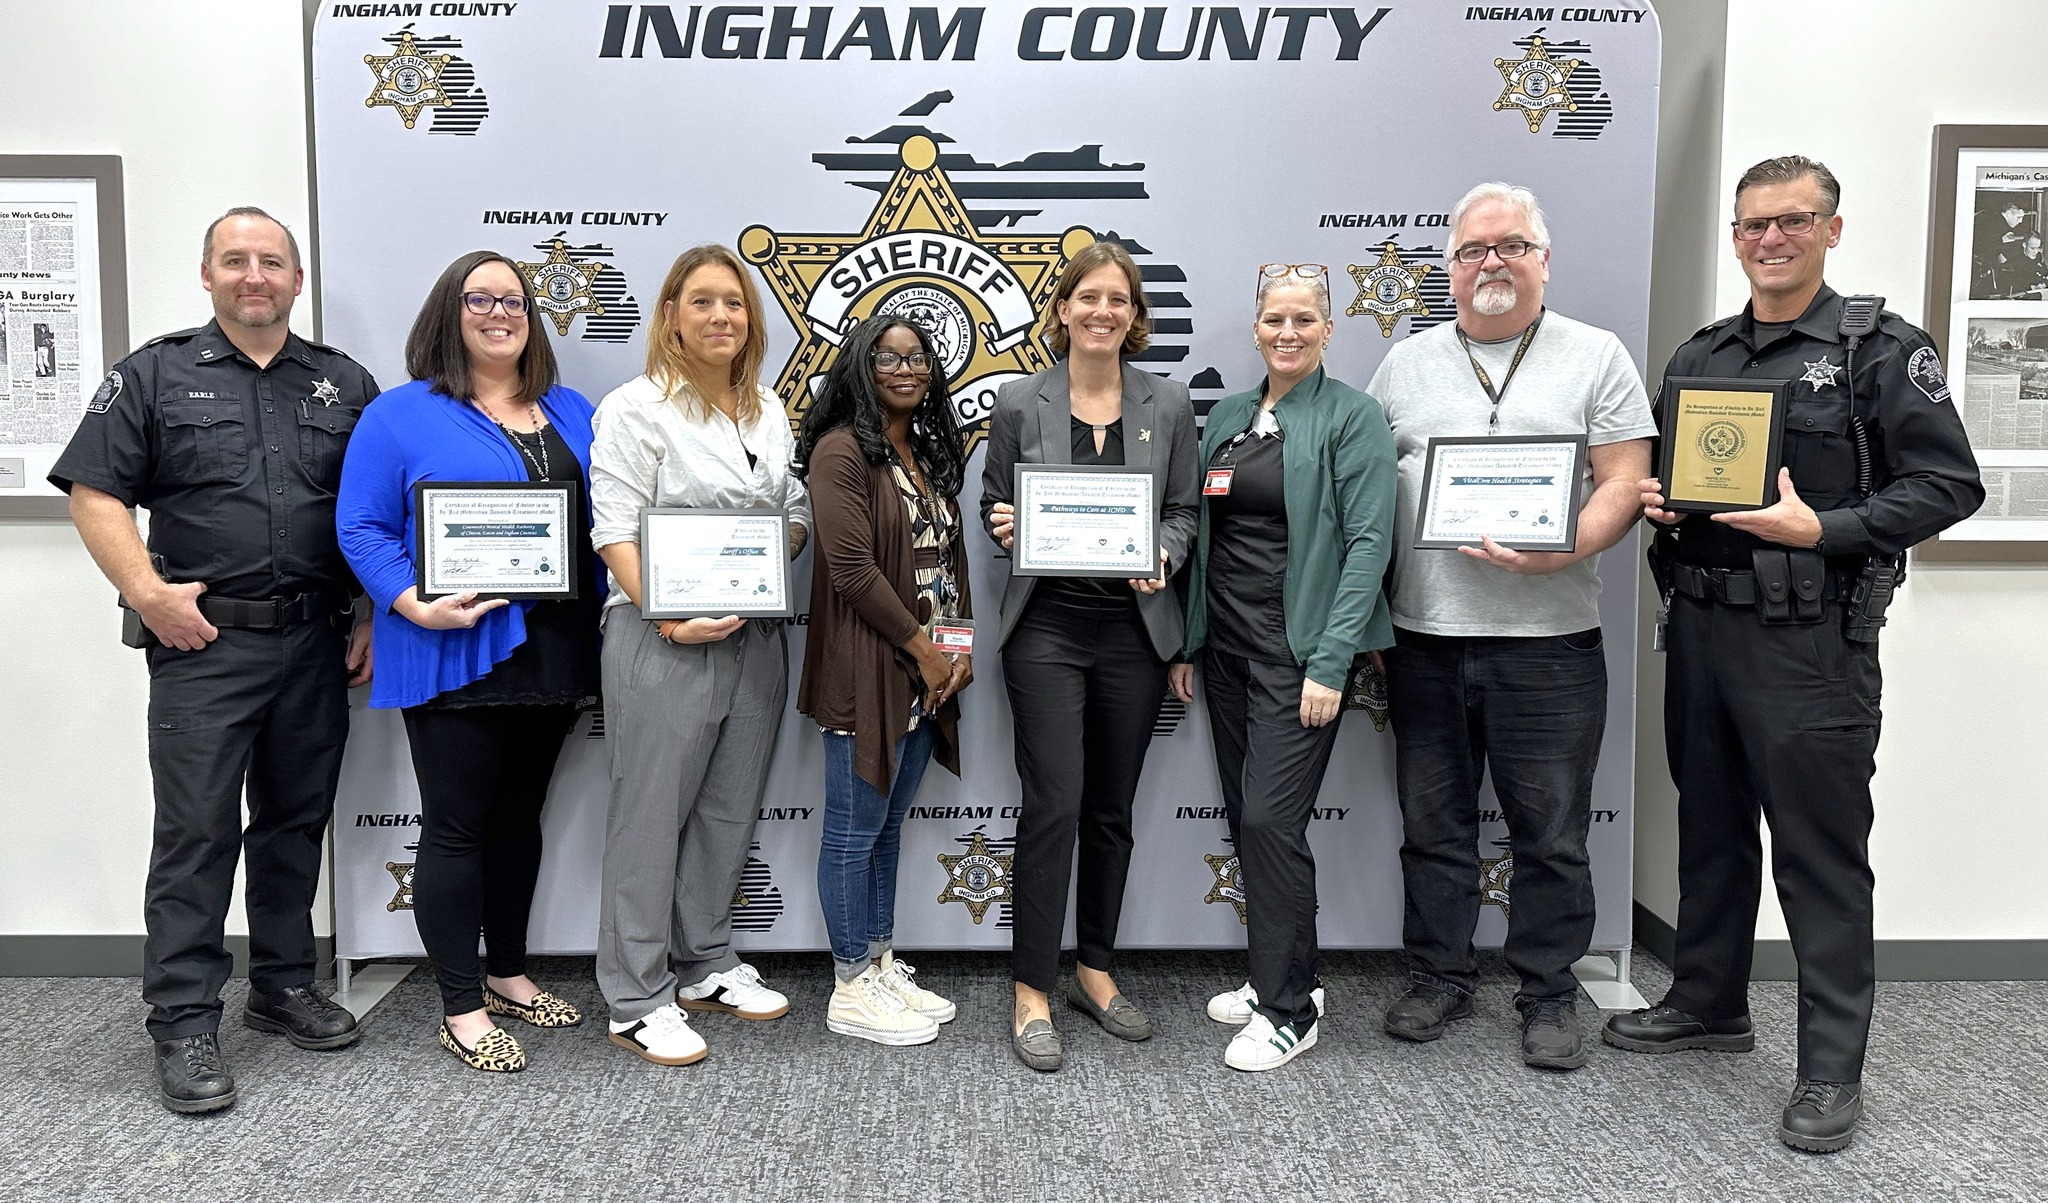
648 451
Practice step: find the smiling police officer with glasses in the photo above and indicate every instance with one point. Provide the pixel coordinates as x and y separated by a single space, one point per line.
1771 694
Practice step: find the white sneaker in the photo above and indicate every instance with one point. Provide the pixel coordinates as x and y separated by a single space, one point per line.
663 1036
1261 1046
870 1010
1237 1006
898 978
737 991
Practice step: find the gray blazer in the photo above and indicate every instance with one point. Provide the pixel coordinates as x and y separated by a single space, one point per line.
1033 424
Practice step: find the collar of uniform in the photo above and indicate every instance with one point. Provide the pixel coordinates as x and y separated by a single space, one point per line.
214 346
1822 320
1302 393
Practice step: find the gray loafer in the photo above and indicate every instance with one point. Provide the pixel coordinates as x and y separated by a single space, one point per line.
1038 1046
1121 1018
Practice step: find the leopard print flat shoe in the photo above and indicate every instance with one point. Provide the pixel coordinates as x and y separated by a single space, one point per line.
496 1053
545 1011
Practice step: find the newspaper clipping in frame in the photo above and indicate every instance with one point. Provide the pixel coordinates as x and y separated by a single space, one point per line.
43 307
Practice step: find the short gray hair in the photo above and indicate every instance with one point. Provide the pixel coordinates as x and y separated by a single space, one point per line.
1790 169
1318 285
206 248
1508 194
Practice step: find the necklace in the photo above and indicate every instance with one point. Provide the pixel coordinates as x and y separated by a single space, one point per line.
519 440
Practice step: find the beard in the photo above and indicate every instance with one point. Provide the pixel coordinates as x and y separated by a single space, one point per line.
252 311
1494 292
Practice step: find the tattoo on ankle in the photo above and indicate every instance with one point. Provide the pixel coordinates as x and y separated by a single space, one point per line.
1023 1013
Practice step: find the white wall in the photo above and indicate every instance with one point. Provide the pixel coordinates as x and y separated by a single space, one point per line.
205 102
1960 821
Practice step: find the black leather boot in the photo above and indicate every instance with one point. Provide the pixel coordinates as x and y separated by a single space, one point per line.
1662 1029
191 1076
302 1015
1821 1118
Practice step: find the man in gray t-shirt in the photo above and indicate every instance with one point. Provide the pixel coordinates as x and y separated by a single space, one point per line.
1497 662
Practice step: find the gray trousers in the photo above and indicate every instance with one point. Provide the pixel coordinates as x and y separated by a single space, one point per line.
691 729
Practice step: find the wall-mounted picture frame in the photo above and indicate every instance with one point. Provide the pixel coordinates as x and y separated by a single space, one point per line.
1987 309
63 312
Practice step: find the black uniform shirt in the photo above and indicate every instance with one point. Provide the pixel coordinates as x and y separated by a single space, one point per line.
1923 476
236 464
1247 572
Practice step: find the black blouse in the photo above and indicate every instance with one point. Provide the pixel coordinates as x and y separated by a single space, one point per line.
1247 569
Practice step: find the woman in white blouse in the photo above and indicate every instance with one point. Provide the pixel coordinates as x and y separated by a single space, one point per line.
692 706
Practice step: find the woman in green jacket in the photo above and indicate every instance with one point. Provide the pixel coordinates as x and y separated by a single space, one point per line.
1296 530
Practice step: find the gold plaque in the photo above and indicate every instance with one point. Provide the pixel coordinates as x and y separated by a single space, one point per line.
1722 443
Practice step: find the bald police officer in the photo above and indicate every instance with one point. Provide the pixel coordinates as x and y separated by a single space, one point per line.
1771 693
231 435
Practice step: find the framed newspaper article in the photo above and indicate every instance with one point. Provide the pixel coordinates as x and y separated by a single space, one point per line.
63 311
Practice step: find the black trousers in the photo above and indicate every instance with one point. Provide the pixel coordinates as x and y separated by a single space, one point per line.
1781 720
1532 710
1271 768
1085 688
265 711
483 774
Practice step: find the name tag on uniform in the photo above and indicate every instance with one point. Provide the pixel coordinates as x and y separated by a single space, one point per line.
954 635
1217 482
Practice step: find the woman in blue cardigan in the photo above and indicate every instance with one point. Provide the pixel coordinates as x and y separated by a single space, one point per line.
488 688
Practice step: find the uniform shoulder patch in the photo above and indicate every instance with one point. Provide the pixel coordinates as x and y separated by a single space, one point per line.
1924 370
103 399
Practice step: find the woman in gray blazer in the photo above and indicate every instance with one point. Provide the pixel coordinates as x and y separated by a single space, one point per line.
1084 659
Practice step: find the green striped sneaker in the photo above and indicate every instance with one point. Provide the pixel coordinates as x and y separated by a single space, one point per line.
1261 1046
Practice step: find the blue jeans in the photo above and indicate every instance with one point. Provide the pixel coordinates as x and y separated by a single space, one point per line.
863 833
1531 711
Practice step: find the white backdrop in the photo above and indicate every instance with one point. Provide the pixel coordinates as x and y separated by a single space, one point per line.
942 161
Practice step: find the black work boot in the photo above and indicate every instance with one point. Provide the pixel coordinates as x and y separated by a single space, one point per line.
1662 1029
1821 1118
1421 1014
191 1076
1551 1038
302 1015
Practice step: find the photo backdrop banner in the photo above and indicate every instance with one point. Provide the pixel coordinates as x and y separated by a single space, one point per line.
943 162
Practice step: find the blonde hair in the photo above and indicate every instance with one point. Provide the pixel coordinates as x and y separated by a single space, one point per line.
669 364
1085 260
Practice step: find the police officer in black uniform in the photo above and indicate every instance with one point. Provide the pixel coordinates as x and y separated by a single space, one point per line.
231 436
1771 692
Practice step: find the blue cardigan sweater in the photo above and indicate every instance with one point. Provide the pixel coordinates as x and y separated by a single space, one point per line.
410 434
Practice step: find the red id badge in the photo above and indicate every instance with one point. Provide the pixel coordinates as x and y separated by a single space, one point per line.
1217 482
954 635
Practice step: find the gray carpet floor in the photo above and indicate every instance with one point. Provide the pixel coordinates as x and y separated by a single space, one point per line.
786 1111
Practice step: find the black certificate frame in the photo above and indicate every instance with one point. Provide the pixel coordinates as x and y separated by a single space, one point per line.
652 613
573 523
1667 444
1017 565
1579 444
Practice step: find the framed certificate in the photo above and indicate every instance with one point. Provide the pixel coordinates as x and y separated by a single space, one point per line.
497 538
1722 443
1085 520
709 563
1523 493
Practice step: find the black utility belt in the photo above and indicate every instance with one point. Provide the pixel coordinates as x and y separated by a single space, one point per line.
1788 586
272 613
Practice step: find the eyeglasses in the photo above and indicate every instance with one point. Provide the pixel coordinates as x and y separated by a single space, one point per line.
481 304
1305 271
1475 252
1791 225
886 362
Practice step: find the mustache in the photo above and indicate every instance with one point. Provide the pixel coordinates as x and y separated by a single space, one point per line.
1497 275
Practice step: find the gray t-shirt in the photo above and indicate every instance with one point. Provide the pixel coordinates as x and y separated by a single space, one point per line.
1575 379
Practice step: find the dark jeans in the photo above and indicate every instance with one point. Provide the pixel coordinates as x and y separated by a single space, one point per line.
1532 711
1781 720
1270 768
263 709
483 774
1085 688
858 851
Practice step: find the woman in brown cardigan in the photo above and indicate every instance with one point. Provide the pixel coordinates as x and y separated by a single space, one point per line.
884 460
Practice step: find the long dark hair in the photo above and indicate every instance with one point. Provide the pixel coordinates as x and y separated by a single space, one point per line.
849 398
435 352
